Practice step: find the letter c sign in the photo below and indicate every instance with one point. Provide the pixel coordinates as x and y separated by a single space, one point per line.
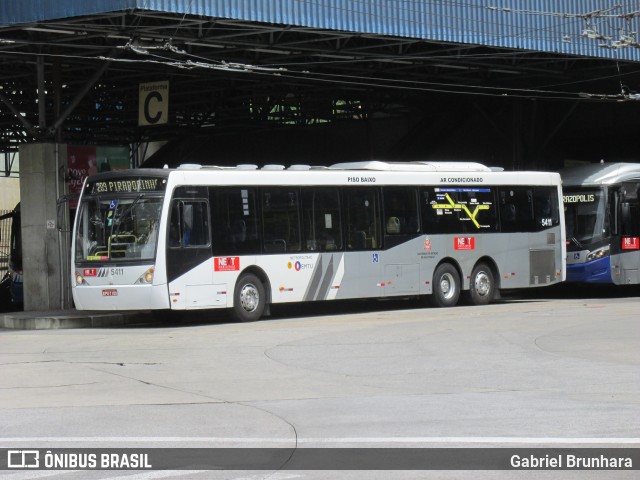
153 105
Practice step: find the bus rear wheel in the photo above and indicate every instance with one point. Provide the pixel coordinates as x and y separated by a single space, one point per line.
249 299
446 286
483 286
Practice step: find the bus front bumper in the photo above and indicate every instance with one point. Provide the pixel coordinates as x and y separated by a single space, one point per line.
597 271
121 297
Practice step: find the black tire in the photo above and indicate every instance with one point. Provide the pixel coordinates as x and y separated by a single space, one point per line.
446 286
249 299
482 288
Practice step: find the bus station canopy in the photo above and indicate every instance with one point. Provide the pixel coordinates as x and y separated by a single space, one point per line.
72 70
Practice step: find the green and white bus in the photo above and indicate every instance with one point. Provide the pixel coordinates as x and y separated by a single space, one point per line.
243 238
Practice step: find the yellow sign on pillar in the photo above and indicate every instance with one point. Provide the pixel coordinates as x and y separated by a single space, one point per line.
153 107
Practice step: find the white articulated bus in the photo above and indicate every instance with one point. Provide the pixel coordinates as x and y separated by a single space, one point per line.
244 238
602 213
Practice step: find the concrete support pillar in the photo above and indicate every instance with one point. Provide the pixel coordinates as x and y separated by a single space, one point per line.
44 246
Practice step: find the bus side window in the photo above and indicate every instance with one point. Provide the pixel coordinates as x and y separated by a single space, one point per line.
400 210
321 219
235 221
280 220
516 209
436 218
189 223
174 225
362 217
546 207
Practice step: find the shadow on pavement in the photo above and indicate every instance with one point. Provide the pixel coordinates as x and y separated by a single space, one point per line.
194 318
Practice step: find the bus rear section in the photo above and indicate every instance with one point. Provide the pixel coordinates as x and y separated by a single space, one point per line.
602 215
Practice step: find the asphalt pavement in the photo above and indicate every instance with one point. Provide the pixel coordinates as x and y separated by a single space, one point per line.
545 372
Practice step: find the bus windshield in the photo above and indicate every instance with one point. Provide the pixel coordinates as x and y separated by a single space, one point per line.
117 229
585 216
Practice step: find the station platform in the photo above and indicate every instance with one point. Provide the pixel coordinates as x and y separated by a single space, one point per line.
59 319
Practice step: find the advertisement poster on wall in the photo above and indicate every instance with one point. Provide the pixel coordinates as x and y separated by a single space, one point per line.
83 160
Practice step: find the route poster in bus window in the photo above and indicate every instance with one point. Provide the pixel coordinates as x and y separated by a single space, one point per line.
472 207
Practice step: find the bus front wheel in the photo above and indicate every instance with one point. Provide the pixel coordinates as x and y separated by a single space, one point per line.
249 299
446 286
483 287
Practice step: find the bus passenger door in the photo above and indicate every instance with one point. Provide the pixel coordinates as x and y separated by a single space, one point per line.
364 256
627 248
189 257
401 225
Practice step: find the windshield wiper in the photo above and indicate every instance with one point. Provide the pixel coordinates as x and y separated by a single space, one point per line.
577 243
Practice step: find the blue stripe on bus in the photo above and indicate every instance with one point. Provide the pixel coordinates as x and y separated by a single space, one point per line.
597 271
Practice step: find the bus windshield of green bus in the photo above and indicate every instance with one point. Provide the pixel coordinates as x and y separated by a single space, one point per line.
117 229
585 216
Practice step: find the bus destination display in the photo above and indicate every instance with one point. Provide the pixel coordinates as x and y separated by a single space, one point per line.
127 185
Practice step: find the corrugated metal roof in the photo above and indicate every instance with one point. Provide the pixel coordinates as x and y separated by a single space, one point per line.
539 25
29 11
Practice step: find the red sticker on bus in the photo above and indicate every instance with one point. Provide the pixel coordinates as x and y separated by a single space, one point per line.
630 243
90 272
226 264
111 292
464 243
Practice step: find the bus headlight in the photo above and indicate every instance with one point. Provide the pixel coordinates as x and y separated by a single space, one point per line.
80 279
146 278
598 253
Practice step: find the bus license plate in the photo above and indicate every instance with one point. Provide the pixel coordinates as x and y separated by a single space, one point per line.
111 292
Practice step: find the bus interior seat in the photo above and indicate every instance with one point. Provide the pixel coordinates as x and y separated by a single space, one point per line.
393 225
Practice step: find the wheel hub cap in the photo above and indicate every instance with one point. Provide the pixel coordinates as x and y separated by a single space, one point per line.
447 286
249 298
482 284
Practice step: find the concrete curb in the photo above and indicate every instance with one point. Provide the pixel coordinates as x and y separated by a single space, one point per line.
55 320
